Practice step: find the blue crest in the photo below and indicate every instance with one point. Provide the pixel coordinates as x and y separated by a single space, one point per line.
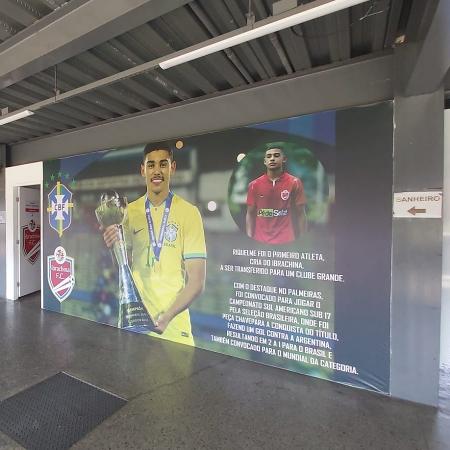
60 208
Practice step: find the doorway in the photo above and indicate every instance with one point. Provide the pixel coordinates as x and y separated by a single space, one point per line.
29 239
16 178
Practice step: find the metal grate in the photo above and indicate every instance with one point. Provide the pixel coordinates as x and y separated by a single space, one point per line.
56 413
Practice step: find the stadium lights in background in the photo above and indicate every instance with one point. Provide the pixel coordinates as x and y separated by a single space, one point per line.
212 206
296 16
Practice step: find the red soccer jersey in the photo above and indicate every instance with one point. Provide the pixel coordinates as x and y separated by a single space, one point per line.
275 202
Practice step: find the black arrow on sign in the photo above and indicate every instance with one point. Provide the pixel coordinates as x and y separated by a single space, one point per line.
415 210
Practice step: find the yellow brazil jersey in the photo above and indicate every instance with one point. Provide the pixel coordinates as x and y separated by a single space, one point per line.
159 282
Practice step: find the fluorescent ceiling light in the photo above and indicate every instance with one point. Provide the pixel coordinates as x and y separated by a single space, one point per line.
16 116
301 14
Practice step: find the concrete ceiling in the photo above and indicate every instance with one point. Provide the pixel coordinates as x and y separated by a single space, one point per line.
68 58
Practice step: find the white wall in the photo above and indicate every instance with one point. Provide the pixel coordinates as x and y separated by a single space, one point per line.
445 308
2 222
24 175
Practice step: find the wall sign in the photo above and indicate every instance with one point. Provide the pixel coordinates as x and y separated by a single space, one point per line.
418 205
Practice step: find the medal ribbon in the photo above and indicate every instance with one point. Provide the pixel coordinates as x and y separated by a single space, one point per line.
157 244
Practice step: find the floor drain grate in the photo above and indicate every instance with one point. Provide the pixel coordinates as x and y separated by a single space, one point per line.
56 413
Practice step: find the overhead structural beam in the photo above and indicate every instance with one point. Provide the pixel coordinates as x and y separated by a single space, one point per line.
359 82
72 29
312 10
422 66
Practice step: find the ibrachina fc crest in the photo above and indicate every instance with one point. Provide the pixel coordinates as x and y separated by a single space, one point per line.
31 241
60 273
60 208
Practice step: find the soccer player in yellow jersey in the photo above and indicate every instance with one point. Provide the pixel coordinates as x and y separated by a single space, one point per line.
165 236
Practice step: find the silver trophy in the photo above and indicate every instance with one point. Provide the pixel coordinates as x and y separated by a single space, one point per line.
133 315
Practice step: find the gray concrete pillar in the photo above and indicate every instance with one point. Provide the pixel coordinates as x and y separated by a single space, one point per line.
417 250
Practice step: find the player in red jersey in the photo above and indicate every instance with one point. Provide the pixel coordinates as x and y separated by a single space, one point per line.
275 203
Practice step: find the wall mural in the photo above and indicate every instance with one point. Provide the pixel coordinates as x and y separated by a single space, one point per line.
270 242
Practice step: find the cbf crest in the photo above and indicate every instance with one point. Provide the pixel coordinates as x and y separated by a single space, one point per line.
60 273
60 208
171 232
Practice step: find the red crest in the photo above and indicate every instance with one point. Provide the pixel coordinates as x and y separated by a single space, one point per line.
60 274
31 241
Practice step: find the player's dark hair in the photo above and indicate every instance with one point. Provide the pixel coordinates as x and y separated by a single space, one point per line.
162 145
280 145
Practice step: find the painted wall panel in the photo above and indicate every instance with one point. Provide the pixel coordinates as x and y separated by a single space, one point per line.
311 299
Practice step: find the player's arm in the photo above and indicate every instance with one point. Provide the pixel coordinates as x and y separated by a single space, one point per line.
195 285
301 218
299 200
250 217
250 220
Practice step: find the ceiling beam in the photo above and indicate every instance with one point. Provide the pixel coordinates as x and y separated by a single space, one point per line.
174 28
363 81
72 29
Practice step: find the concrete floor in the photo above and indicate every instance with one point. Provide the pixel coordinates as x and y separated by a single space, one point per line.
184 398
